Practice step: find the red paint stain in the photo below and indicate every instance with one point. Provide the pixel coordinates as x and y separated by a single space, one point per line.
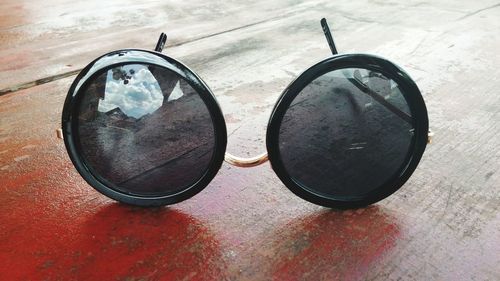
120 241
334 245
244 226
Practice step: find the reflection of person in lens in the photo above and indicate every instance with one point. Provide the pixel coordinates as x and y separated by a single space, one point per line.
145 130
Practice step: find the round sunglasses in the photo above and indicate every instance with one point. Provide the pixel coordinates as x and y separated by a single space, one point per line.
142 128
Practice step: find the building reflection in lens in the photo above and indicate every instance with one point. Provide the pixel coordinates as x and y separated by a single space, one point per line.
145 130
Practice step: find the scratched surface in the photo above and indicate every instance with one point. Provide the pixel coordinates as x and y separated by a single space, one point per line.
444 224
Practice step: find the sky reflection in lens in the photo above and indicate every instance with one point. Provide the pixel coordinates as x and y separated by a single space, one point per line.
134 90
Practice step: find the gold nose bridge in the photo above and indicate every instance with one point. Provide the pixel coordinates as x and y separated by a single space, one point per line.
246 162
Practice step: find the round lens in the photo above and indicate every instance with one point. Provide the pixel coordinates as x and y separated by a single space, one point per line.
143 130
347 133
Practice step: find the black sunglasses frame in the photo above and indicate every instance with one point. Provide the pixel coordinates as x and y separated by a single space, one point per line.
71 139
414 100
130 56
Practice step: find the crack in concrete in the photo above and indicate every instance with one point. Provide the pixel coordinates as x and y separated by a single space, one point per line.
478 11
37 82
41 81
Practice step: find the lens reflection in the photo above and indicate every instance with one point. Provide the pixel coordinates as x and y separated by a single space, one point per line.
346 134
144 130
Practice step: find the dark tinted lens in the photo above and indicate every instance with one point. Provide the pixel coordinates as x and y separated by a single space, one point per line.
144 130
347 133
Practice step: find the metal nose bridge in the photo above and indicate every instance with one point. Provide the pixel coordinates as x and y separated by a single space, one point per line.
246 162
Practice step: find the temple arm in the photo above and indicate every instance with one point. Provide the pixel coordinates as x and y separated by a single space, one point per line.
161 42
356 81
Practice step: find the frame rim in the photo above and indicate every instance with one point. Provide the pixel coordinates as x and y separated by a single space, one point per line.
69 123
414 100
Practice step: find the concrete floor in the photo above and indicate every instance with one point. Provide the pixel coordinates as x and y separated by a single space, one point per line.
444 224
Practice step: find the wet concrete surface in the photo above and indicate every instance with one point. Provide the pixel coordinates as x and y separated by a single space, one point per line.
444 224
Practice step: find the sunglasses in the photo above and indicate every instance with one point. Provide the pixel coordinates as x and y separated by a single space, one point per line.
143 129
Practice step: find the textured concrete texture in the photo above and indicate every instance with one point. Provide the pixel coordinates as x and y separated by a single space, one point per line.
444 224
